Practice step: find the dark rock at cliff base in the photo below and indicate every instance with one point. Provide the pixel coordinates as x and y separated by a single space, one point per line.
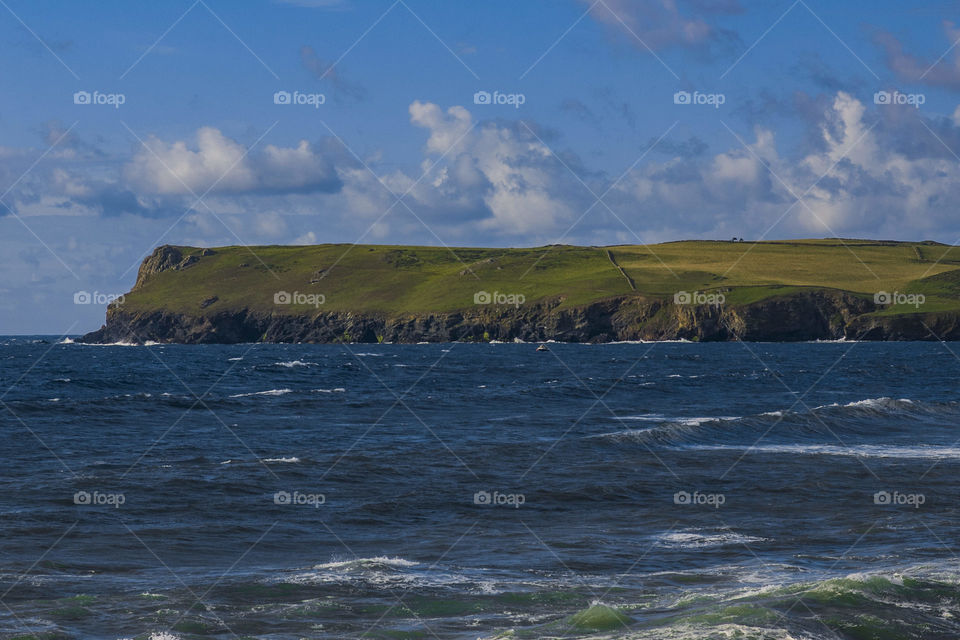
808 315
915 326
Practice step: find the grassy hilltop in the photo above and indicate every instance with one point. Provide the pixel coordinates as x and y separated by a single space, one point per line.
408 279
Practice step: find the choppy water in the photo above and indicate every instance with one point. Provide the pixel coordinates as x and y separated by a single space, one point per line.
479 491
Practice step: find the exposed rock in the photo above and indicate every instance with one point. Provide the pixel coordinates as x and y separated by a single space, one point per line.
166 258
809 315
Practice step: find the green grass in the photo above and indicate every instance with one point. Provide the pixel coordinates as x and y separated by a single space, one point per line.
398 280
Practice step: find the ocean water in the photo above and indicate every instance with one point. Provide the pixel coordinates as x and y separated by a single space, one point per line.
479 491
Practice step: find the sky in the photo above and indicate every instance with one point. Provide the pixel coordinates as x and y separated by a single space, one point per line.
126 125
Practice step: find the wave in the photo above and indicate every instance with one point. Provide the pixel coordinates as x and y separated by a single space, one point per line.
377 572
917 452
857 419
693 540
295 363
270 392
667 430
336 390
881 605
366 563
877 404
292 459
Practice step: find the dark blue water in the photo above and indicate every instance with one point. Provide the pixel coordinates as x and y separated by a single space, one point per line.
479 491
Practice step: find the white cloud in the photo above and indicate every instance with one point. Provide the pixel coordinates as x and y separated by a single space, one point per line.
496 182
498 174
223 165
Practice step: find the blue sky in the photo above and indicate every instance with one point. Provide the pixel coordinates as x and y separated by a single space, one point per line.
794 135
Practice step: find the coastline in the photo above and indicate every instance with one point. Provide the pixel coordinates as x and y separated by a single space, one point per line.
210 296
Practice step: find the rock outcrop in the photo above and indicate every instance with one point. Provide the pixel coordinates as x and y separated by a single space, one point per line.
813 315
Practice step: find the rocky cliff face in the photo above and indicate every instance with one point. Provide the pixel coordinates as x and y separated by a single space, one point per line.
814 315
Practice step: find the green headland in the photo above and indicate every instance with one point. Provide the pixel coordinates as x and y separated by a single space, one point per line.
689 289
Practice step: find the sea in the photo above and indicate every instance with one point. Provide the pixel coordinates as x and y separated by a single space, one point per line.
468 491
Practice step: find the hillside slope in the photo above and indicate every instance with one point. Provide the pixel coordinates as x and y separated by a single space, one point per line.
698 290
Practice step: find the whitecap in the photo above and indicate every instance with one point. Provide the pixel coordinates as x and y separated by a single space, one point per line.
883 402
693 540
295 363
271 392
858 451
291 459
367 562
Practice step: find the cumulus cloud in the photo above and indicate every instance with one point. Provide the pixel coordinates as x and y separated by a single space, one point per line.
222 165
870 170
862 179
503 176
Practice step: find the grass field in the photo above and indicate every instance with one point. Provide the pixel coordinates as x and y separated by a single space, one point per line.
404 279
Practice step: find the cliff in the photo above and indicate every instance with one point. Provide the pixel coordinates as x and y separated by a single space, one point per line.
338 293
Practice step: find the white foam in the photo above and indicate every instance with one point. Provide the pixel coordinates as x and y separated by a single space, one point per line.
271 392
691 540
291 459
366 562
861 451
295 363
685 421
337 390
883 402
